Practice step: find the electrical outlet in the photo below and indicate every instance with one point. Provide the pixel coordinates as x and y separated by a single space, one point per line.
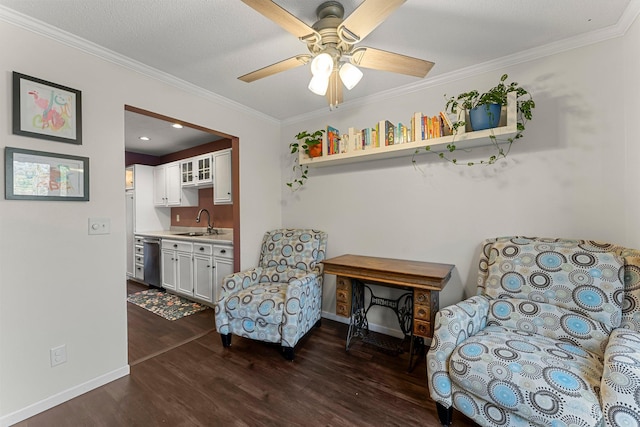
177 217
58 355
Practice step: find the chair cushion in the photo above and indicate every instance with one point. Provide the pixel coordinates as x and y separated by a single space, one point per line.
281 274
258 305
296 248
550 321
535 377
571 274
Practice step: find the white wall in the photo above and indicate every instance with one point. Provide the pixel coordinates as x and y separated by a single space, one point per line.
574 174
58 285
631 108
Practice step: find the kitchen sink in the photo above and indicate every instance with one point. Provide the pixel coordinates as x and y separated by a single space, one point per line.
192 234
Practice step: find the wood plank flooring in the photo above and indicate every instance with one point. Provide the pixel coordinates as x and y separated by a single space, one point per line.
182 376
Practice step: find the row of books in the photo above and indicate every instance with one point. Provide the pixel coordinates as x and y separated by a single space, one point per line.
386 133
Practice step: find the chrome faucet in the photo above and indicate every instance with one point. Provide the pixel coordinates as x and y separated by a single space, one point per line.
209 226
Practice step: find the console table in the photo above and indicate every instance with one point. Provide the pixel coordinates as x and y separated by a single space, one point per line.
415 309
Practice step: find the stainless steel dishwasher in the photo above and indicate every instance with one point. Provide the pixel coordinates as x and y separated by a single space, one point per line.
152 261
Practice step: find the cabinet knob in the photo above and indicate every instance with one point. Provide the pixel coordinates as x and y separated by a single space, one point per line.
175 246
208 266
201 248
223 251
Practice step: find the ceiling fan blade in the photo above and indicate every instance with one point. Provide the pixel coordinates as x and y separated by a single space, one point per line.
278 67
334 91
281 17
377 59
366 18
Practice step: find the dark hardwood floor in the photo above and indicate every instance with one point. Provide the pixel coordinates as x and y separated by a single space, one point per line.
182 376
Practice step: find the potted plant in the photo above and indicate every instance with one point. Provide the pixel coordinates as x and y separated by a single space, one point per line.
484 108
309 143
495 95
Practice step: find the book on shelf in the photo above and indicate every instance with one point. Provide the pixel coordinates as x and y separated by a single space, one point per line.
354 140
333 140
447 124
386 133
417 127
401 134
367 138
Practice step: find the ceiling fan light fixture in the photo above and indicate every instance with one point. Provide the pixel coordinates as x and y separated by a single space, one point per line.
322 65
350 75
319 85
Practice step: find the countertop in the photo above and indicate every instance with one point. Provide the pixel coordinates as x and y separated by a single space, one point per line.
224 236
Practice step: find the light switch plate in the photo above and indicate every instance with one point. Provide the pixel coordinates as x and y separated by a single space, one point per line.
99 226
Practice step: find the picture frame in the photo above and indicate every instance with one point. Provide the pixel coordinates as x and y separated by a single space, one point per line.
40 175
46 110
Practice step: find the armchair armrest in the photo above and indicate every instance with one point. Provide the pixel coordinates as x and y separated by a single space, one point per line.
453 325
303 303
230 285
620 385
238 281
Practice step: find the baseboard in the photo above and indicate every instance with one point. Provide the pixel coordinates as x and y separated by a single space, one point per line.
372 326
63 396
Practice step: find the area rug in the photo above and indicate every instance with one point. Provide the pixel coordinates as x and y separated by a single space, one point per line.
169 306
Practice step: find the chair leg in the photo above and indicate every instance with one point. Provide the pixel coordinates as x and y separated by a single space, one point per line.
226 340
288 353
445 414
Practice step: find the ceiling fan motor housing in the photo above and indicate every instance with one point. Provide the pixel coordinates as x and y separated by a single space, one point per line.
330 9
330 16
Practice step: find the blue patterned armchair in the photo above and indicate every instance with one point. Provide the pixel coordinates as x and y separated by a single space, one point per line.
280 300
551 339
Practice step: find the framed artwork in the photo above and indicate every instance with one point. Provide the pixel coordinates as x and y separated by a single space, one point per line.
46 110
38 175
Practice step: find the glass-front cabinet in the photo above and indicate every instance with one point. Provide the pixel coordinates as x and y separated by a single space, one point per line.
186 172
197 171
204 169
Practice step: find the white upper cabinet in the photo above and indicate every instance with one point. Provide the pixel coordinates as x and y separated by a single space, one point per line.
222 177
167 187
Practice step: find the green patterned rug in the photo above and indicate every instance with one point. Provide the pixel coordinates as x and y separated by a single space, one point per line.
169 306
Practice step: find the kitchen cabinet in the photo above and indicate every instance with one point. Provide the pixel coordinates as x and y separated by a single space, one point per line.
197 171
222 177
168 190
129 178
195 269
203 271
222 266
139 258
141 214
177 266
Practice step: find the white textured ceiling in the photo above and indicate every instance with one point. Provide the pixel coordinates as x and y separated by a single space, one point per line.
209 43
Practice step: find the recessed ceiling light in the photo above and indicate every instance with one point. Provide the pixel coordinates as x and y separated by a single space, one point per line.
144 138
177 125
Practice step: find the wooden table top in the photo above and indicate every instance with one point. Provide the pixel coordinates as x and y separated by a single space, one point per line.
414 274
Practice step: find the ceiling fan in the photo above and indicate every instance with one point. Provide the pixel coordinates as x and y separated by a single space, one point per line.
332 43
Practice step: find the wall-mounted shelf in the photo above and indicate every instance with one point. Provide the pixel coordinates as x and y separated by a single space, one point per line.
463 140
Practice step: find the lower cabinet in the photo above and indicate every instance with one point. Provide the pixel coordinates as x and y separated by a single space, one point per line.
203 271
195 269
222 266
177 266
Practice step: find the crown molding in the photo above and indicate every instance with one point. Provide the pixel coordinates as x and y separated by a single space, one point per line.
617 30
71 40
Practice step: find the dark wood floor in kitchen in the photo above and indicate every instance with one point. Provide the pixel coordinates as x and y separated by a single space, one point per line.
182 376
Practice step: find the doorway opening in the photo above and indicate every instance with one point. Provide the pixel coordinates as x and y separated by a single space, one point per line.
170 140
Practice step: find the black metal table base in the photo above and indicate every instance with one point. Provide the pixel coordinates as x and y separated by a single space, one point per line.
402 307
